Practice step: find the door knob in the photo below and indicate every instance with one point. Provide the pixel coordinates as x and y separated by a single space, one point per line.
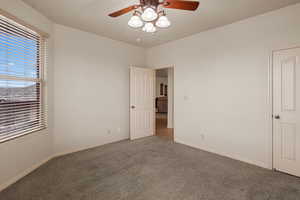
277 117
133 107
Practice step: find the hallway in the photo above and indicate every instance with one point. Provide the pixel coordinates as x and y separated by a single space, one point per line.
161 127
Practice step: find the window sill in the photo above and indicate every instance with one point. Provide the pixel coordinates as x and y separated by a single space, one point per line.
17 136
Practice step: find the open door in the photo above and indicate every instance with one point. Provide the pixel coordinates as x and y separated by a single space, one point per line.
142 97
286 72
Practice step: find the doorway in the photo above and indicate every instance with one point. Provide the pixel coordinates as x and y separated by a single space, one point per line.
286 113
151 103
164 103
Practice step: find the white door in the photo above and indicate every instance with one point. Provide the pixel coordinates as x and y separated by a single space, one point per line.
142 97
286 102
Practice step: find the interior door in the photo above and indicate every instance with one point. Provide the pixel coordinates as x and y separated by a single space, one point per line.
142 96
286 91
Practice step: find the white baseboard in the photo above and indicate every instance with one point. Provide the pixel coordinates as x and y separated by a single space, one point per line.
228 155
86 148
31 169
23 174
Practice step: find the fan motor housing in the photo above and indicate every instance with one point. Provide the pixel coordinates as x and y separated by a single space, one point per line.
154 3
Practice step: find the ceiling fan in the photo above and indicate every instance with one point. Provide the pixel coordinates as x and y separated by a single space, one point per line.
150 14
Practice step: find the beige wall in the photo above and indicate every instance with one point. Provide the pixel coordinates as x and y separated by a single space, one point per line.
91 89
221 84
19 156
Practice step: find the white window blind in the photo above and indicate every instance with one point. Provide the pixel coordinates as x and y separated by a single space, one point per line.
21 62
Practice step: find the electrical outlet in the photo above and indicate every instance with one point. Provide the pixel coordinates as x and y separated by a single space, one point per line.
202 136
108 131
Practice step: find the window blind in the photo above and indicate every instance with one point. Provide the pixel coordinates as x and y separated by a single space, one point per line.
21 62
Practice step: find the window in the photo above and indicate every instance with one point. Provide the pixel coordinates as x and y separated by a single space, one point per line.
21 61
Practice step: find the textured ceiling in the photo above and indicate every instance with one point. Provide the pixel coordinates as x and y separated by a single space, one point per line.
91 16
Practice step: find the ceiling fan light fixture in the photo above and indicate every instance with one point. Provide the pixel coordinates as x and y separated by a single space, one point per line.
149 28
149 14
135 22
163 22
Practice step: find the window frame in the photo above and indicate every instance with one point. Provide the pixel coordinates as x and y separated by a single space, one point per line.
40 79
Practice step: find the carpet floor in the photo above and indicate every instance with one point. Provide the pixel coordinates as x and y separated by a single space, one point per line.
151 169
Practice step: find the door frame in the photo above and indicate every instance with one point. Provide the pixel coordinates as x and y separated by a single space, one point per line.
271 103
167 67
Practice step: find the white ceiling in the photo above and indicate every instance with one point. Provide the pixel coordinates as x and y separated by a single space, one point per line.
92 16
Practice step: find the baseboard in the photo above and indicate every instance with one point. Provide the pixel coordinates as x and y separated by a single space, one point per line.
234 157
86 148
34 167
23 174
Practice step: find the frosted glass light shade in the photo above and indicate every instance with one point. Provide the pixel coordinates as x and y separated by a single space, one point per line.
149 28
135 22
149 14
163 22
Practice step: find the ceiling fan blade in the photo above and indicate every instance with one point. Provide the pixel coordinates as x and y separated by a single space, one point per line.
182 5
123 11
